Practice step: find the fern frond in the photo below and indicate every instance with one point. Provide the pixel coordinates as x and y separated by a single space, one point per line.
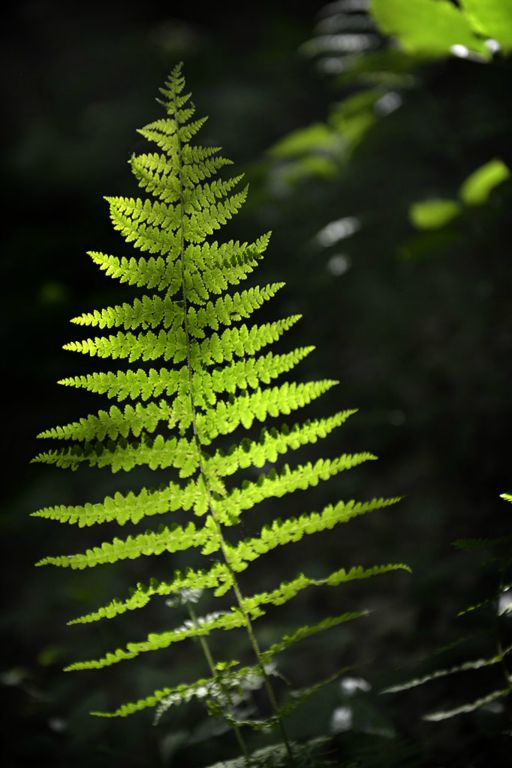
214 376
309 754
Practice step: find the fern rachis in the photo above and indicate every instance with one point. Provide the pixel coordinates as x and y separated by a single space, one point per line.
215 377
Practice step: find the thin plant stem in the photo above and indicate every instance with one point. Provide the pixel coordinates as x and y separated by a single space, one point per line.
203 642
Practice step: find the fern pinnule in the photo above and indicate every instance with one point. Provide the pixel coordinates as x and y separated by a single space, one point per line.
203 372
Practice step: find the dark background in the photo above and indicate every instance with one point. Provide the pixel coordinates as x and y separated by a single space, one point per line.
418 329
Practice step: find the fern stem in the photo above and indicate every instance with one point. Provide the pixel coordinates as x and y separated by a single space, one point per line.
203 642
257 652
236 588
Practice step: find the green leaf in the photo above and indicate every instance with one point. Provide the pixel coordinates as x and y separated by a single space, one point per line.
478 186
316 137
427 27
355 115
434 214
491 18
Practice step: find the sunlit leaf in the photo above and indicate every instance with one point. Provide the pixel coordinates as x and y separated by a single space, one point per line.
434 214
492 18
478 186
428 27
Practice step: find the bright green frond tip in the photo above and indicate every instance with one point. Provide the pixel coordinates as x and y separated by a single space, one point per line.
201 393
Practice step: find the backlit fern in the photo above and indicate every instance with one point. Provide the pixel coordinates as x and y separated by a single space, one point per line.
213 376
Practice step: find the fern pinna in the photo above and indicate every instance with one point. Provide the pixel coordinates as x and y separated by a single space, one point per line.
215 377
493 643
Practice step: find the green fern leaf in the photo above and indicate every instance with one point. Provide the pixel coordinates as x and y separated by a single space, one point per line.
214 377
173 539
130 508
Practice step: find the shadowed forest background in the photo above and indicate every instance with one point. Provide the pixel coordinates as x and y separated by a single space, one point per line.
413 319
